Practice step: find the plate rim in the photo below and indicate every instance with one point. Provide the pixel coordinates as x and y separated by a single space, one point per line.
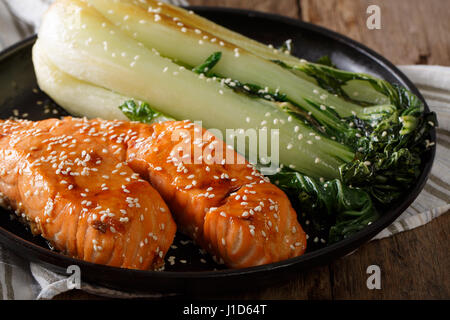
316 257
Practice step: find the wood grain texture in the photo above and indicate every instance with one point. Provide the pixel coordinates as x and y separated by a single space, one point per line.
414 264
288 8
412 31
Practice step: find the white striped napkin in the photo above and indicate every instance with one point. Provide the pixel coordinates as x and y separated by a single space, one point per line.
20 279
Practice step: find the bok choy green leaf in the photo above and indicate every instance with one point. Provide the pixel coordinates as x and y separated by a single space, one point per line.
330 210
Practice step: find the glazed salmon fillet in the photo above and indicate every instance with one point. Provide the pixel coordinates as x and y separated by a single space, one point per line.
217 198
225 205
79 193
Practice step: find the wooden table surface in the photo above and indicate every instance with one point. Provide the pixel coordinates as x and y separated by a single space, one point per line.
414 264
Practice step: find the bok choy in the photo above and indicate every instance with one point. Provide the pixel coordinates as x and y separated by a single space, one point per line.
349 143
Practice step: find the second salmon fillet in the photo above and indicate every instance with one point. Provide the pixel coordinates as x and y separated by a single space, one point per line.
227 207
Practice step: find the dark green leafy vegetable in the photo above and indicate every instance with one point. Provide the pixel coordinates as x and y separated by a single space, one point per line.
245 88
333 80
331 211
326 61
142 112
387 139
389 159
257 91
209 63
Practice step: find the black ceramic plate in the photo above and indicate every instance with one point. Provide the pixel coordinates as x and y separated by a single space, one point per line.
194 271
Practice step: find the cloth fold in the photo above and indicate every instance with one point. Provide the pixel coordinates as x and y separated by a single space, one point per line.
20 279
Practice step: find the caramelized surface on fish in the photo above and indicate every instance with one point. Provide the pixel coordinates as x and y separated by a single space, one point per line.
217 198
76 190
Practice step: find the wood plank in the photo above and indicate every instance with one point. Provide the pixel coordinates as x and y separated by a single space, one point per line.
288 8
412 31
414 265
310 284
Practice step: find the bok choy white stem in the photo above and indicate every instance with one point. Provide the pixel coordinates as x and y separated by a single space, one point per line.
82 42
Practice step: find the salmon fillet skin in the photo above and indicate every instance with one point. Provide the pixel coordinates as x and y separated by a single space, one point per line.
79 193
215 196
